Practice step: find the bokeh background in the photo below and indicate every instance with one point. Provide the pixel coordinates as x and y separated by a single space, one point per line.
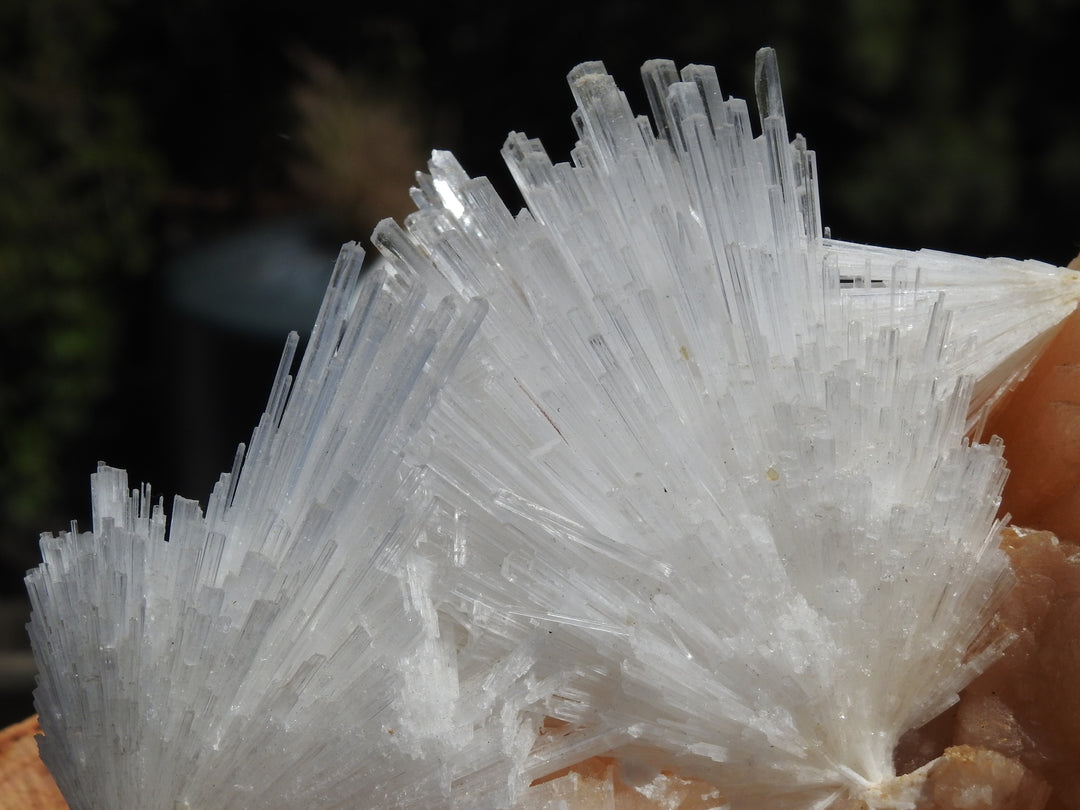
175 179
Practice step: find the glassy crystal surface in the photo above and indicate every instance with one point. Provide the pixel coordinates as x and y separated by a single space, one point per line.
650 471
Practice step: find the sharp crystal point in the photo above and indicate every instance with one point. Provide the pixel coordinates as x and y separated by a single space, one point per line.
651 470
767 81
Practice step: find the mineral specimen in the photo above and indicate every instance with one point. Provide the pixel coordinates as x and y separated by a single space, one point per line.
650 493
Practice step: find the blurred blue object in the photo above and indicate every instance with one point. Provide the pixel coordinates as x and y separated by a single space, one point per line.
264 281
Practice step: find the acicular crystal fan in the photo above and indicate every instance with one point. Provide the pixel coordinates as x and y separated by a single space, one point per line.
650 471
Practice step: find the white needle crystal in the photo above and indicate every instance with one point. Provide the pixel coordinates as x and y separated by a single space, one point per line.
650 471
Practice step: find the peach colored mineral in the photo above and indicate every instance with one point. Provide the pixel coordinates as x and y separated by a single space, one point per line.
25 784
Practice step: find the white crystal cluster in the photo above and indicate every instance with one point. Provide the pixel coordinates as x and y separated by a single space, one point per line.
650 470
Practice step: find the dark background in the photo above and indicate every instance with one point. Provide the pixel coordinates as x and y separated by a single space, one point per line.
152 154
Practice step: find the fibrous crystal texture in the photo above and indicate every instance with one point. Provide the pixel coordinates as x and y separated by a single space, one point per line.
650 471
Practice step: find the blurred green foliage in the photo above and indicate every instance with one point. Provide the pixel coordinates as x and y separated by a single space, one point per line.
77 186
